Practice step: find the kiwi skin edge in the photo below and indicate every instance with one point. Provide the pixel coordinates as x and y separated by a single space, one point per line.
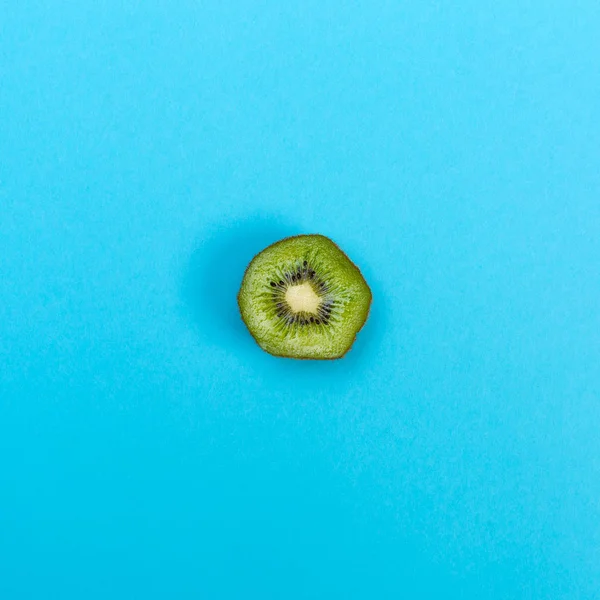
310 358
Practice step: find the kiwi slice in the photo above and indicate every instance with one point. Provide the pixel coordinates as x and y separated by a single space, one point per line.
302 297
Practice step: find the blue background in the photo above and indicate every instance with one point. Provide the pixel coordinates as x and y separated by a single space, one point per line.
148 449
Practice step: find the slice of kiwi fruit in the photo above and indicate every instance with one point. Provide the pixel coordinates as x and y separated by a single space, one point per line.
302 297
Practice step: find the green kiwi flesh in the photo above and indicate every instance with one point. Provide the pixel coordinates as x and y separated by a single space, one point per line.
302 297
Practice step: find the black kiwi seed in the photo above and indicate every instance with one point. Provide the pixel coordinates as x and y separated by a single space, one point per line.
317 321
273 284
281 283
293 277
305 263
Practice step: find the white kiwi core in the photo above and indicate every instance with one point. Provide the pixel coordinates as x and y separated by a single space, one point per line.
302 298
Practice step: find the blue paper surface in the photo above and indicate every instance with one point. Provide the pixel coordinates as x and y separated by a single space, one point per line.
149 448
